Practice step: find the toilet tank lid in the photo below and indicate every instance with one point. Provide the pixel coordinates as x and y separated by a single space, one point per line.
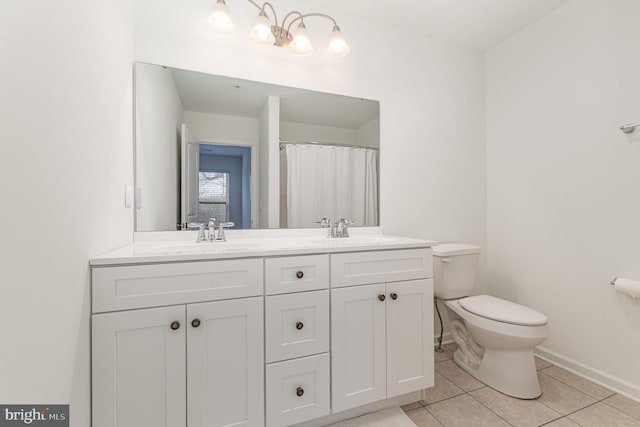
503 311
450 249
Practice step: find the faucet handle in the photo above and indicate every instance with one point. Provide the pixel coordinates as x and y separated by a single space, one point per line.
221 226
201 234
324 222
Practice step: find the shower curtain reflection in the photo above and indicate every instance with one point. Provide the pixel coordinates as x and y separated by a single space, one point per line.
331 181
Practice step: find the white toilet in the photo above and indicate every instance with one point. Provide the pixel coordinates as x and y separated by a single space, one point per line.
495 337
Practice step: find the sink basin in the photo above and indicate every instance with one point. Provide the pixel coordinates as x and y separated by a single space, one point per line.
176 248
353 241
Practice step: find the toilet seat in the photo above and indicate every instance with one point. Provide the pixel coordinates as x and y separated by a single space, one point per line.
502 311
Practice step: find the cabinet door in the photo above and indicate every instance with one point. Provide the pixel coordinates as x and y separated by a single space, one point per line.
225 358
139 368
358 365
409 336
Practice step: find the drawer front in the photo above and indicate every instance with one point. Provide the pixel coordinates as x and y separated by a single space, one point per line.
296 325
360 268
297 390
296 274
137 286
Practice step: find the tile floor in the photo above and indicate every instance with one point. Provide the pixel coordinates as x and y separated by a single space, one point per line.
459 400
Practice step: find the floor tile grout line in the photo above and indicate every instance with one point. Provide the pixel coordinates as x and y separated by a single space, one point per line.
617 409
581 409
442 400
554 410
491 410
587 394
563 417
434 415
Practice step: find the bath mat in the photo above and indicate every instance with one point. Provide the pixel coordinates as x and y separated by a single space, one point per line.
391 417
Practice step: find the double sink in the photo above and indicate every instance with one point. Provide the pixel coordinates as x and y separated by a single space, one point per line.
258 245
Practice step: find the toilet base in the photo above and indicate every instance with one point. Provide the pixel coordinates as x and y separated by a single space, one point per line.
510 372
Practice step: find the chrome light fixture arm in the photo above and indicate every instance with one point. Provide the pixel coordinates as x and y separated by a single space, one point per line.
306 15
262 10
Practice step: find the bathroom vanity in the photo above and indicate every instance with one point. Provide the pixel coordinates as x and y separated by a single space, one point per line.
261 331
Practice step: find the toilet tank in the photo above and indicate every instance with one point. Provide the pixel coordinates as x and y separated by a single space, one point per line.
455 266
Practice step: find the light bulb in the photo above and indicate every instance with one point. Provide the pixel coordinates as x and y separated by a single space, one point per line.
338 47
220 18
261 31
300 43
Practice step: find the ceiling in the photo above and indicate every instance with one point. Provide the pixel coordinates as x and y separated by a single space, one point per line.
236 97
479 24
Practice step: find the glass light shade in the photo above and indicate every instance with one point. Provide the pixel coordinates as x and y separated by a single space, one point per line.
338 47
261 31
300 43
220 18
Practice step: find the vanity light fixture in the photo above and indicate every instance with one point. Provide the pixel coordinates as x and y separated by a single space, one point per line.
280 34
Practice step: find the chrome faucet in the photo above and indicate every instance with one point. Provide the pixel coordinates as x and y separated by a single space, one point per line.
212 236
338 229
342 228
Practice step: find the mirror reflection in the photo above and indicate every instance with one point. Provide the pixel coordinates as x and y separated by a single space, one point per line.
255 154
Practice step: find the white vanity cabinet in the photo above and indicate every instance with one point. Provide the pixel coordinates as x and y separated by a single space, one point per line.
381 333
195 364
271 340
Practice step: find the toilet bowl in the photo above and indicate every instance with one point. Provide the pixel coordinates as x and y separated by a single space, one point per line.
495 337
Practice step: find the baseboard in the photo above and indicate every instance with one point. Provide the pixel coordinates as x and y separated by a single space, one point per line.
611 382
446 339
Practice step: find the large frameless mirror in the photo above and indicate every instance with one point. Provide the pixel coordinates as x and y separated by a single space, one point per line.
251 153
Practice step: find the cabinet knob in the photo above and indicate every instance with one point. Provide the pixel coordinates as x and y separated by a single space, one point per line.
393 296
195 323
381 297
299 274
299 391
299 325
175 325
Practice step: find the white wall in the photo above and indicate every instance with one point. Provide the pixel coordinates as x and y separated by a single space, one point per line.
305 132
66 155
564 182
223 129
369 134
431 101
159 116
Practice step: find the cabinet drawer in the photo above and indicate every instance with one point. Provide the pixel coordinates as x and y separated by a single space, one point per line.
137 286
296 325
360 268
296 274
297 390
